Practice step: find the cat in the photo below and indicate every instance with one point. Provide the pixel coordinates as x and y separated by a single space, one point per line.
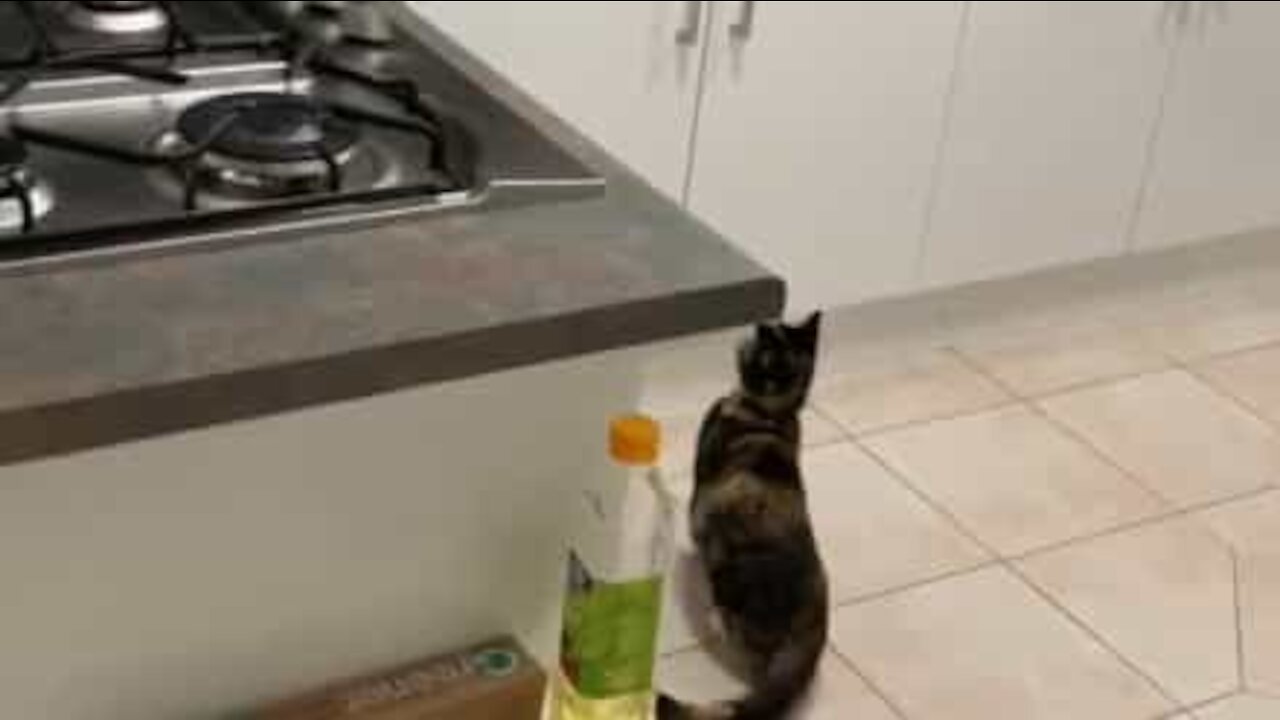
750 522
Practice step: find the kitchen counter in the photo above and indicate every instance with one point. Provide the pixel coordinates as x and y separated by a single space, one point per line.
97 355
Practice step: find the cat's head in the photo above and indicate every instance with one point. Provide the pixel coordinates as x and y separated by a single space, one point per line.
776 365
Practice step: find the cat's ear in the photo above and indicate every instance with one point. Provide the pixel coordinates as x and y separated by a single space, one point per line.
806 333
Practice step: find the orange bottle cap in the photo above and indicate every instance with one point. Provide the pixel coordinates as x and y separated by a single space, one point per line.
635 440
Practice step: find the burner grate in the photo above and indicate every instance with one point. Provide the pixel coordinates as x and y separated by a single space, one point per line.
45 53
207 134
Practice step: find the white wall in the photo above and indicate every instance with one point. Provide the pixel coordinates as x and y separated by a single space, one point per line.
188 576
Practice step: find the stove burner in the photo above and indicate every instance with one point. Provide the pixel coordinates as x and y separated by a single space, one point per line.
267 127
265 145
119 17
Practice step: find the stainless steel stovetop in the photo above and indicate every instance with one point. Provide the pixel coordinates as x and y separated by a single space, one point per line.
139 126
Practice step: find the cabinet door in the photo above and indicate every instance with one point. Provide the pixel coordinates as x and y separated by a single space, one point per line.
1216 165
1052 113
617 71
817 135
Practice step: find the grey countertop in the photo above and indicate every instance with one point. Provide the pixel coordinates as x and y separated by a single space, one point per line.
101 354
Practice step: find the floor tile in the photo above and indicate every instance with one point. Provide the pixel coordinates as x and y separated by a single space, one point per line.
1177 435
1251 525
985 646
1253 378
1162 595
898 390
1042 361
1253 528
874 533
1244 707
837 694
819 430
1014 480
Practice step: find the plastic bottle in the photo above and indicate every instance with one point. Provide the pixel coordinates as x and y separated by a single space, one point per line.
622 542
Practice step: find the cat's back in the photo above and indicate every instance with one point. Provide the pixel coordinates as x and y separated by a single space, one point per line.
735 435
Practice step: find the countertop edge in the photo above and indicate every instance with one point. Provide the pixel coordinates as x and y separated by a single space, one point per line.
40 432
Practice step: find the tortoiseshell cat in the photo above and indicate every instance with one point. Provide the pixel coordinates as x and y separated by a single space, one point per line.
751 524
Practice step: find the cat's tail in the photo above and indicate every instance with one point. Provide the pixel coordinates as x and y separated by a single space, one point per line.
785 682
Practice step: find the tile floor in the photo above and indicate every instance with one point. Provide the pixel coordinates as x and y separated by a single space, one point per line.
1073 519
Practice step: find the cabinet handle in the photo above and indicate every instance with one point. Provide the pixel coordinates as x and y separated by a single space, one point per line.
691 25
746 22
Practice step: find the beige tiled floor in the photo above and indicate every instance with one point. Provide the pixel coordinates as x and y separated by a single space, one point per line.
1053 359
1014 480
1187 442
983 644
1163 595
898 390
1076 520
1253 529
1241 707
855 504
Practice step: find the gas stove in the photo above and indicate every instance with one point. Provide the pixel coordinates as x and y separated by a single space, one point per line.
140 126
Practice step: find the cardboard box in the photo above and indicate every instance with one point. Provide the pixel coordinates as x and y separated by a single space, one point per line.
491 681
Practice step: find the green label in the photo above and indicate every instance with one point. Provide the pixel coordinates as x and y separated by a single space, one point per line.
609 644
495 663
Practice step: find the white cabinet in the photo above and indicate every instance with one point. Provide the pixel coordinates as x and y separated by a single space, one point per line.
1052 111
1216 164
871 149
615 70
817 134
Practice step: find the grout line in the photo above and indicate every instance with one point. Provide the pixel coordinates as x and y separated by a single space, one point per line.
1088 444
869 433
1170 366
928 500
916 585
1265 346
1039 410
813 407
892 704
825 443
1095 635
1170 515
1232 397
1078 386
1196 707
1242 658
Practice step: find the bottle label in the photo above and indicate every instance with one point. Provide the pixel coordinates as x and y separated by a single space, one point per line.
609 642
